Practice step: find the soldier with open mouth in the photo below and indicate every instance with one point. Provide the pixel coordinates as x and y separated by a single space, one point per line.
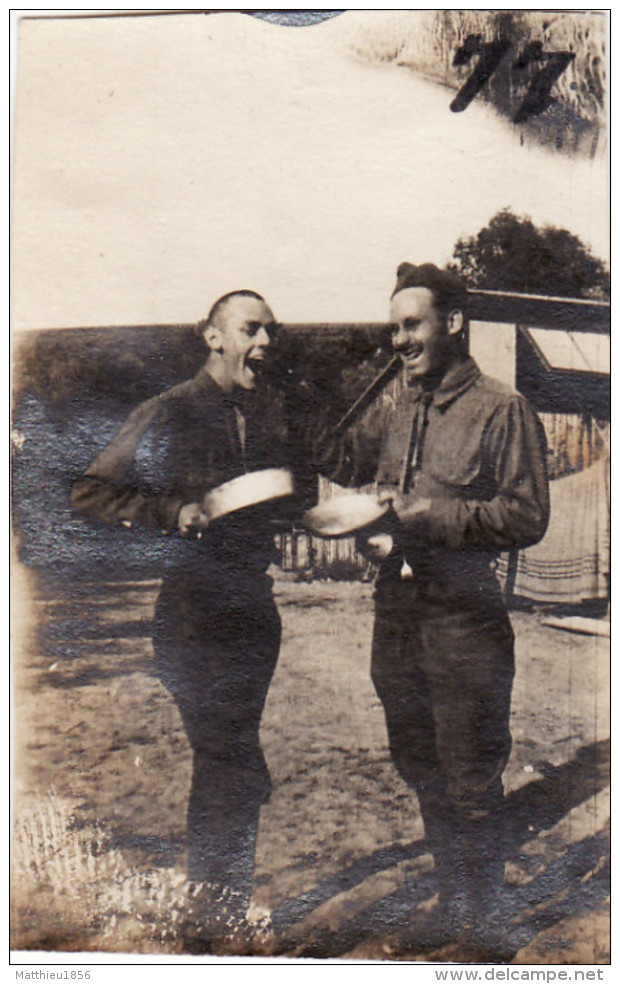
216 629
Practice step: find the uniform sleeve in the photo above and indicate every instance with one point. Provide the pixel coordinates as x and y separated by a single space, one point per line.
516 514
126 484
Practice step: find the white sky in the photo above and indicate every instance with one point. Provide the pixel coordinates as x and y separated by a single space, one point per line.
161 161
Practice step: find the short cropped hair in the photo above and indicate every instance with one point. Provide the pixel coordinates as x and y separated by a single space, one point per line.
221 303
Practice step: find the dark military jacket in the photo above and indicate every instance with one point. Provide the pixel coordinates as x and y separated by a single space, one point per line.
170 451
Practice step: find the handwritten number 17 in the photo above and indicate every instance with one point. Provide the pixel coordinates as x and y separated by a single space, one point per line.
491 53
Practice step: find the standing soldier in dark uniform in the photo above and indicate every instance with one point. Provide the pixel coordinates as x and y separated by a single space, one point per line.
216 629
461 459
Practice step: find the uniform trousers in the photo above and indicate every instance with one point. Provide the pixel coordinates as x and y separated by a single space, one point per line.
217 640
443 669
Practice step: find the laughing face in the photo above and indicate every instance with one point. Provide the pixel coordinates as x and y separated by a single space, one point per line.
238 341
421 335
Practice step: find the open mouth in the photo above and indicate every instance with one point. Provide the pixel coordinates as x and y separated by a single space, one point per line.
255 364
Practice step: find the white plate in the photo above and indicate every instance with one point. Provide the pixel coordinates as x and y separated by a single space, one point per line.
248 490
344 515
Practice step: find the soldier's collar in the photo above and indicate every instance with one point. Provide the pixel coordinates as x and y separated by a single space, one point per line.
208 383
460 375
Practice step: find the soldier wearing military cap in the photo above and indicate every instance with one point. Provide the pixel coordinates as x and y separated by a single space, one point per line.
461 459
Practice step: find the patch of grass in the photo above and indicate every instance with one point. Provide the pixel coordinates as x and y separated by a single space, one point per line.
72 890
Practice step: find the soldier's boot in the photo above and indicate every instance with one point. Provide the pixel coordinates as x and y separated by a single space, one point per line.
483 916
221 867
441 835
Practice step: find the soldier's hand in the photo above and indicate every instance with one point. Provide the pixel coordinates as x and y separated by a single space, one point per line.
192 520
376 547
408 509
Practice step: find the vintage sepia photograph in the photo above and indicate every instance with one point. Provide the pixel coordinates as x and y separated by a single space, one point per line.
310 477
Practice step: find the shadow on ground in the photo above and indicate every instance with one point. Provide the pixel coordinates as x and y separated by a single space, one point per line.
577 881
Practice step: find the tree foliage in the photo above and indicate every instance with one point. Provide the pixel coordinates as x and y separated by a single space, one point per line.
513 254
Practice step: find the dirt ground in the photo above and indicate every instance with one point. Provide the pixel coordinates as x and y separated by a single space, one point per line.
102 776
